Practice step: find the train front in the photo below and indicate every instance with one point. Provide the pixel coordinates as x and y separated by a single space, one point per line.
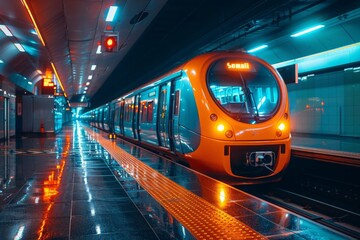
244 116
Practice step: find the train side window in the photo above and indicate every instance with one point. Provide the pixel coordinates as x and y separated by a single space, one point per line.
147 112
163 103
150 109
177 103
126 113
128 110
116 116
143 111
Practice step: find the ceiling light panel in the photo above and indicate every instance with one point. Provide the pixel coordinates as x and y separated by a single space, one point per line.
19 47
5 30
307 31
257 48
111 13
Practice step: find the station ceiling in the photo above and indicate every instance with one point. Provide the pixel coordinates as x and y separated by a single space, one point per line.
156 35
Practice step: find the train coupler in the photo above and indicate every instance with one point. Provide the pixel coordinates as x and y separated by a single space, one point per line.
261 159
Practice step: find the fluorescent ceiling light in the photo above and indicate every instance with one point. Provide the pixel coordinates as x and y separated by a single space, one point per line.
30 83
98 50
1 61
34 22
335 57
5 30
257 48
33 31
58 79
19 47
93 67
307 31
111 14
86 88
90 77
88 83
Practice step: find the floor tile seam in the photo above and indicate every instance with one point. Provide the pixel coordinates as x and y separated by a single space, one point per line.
119 153
12 221
121 211
72 167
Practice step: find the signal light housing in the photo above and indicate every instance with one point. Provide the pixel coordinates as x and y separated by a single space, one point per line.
109 43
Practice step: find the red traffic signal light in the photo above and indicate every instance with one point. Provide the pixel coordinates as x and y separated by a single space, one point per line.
110 43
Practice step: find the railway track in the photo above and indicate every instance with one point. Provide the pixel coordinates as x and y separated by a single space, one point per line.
319 191
339 219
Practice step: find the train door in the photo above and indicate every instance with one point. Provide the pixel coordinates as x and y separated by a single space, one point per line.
175 93
173 117
135 121
101 118
105 118
122 110
163 115
111 117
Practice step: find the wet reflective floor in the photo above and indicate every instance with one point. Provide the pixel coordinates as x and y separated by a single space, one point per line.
65 190
69 187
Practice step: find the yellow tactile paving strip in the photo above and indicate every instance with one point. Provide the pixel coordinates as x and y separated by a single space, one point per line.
202 219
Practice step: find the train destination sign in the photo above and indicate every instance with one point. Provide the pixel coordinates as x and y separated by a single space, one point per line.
238 66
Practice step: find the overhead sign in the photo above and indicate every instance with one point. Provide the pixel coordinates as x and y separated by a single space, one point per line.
47 82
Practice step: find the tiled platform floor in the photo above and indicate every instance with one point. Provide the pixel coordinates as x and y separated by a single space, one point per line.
71 188
70 192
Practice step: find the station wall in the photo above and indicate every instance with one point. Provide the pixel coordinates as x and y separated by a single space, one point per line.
326 103
38 114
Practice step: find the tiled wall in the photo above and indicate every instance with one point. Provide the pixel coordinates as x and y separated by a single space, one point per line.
327 103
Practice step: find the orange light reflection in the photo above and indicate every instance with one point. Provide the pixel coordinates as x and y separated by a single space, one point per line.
33 21
50 190
51 185
58 78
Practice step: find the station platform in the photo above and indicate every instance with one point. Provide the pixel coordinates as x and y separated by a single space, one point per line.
81 185
334 149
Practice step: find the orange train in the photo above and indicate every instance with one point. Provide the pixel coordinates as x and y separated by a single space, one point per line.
225 113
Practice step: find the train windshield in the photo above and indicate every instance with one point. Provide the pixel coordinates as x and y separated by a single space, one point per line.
245 89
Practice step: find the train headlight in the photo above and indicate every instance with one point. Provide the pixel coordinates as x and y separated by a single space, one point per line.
220 128
280 129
